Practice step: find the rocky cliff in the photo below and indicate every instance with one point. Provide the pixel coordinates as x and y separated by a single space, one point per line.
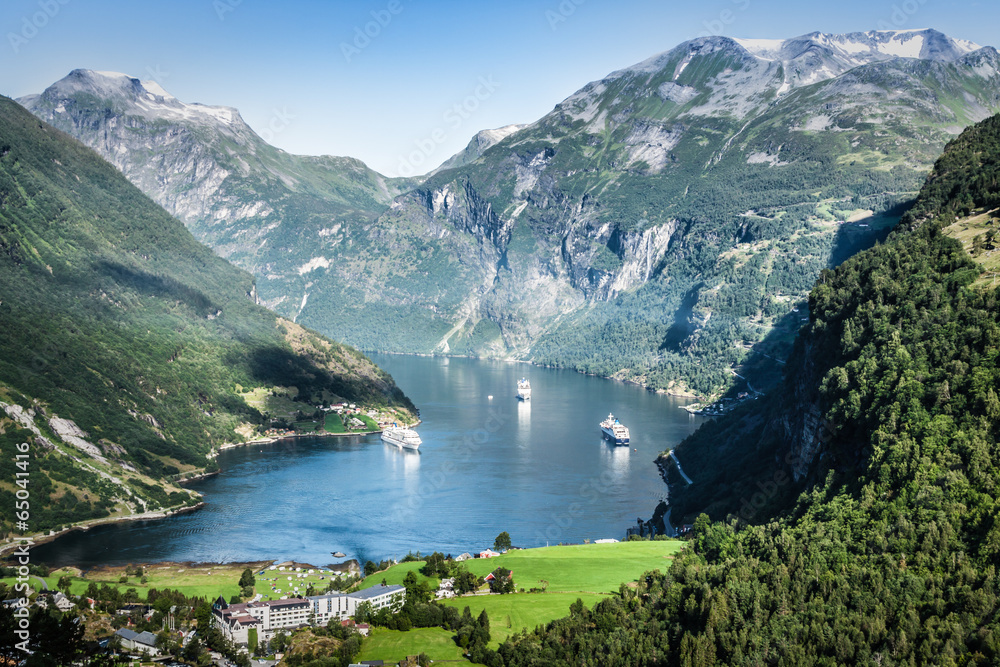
663 224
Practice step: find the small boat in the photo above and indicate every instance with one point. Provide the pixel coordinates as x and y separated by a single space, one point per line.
338 554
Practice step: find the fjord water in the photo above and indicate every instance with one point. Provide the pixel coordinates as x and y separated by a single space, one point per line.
539 470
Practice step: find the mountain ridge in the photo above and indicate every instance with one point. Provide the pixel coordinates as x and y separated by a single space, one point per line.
880 545
543 245
131 352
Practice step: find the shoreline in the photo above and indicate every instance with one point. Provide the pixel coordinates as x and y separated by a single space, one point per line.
13 543
668 392
348 565
270 440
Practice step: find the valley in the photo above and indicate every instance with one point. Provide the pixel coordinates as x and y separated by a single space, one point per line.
773 260
608 236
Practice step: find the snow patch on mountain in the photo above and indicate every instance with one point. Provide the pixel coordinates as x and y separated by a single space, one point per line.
153 88
762 48
489 138
148 98
902 47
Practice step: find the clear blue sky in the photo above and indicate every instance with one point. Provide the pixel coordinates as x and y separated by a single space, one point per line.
284 66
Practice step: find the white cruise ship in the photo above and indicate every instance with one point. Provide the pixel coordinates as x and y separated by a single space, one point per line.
614 430
523 389
403 437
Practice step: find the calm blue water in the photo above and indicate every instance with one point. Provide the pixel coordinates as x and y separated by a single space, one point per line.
538 470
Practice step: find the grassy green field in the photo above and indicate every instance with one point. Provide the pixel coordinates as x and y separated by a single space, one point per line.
198 581
966 229
392 645
192 581
396 574
510 614
333 423
274 584
585 568
589 572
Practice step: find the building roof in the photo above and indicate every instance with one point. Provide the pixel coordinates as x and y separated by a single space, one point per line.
126 634
147 638
246 620
290 602
376 591
328 596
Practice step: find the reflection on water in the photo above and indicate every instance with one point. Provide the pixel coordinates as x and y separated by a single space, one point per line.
618 458
524 414
523 434
372 500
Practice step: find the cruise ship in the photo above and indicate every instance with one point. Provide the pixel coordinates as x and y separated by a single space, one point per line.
403 437
614 430
523 389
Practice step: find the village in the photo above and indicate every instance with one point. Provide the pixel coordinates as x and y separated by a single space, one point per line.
259 615
297 419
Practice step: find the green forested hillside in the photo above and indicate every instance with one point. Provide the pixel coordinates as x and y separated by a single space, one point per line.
888 555
126 344
657 223
662 225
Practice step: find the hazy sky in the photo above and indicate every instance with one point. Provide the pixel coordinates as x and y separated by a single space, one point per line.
380 79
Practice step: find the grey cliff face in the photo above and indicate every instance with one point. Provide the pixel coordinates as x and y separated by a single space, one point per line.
692 197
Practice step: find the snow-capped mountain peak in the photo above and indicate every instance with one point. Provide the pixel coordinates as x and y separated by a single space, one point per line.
144 98
860 48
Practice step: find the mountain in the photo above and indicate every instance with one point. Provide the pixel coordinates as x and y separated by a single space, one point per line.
662 225
254 204
130 351
870 533
480 143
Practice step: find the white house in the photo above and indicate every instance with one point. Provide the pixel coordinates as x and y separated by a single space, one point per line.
61 602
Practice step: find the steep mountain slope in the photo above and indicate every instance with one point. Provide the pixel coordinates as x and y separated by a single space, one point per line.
661 216
128 347
889 554
252 203
483 140
653 226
